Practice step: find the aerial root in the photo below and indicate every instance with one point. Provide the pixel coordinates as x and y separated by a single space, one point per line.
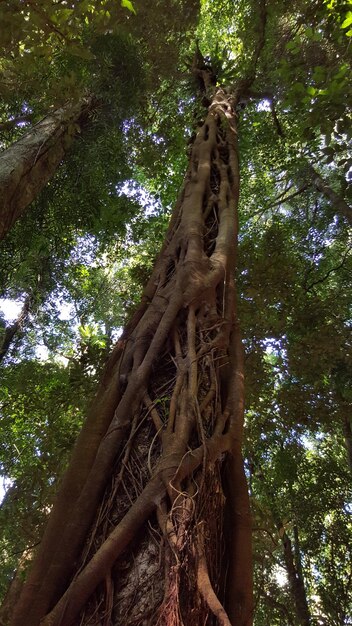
204 585
169 612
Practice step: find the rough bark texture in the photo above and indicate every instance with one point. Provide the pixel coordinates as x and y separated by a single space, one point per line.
152 522
28 164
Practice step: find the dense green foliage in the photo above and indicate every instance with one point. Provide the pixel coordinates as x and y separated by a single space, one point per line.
85 248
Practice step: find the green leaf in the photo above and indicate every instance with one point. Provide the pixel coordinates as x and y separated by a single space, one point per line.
128 5
348 20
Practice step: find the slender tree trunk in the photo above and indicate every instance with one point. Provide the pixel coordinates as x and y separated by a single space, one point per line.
347 431
28 164
292 559
152 522
10 331
295 576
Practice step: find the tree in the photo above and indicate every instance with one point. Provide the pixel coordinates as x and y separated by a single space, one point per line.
174 303
86 90
28 164
162 444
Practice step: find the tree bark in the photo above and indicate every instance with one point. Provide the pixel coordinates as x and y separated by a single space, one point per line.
162 443
29 163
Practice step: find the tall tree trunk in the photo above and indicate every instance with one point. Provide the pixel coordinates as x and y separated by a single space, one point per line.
29 163
157 474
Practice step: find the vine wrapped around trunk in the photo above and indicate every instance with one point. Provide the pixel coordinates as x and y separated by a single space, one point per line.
152 522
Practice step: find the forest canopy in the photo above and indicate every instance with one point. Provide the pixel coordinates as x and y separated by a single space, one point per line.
232 119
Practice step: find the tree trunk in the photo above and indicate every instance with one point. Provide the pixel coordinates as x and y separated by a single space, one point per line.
295 576
10 331
292 559
151 524
347 431
29 163
13 592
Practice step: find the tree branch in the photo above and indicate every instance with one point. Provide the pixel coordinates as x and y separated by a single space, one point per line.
337 202
292 195
333 269
319 183
243 87
278 126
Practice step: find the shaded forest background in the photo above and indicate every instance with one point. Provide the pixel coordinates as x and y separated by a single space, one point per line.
78 256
